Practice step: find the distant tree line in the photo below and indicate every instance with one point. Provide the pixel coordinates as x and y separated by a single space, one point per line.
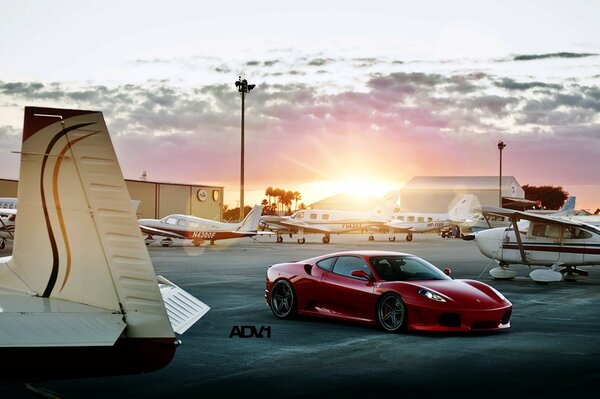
549 197
280 201
233 214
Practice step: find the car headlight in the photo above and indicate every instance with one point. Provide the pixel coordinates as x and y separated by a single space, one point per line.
431 295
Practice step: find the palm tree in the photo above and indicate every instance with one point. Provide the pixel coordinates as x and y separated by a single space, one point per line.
269 193
279 194
297 197
288 197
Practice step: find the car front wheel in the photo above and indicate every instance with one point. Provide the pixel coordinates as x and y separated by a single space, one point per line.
391 313
283 300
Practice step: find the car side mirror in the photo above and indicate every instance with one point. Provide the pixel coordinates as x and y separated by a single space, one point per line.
362 274
447 271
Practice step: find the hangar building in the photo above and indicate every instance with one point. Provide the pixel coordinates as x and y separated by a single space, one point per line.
159 199
436 194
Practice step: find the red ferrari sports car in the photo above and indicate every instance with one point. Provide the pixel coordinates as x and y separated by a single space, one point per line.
395 290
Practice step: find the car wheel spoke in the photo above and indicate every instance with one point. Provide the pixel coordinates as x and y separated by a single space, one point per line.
391 313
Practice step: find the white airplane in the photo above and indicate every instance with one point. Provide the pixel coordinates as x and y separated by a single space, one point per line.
187 227
79 296
410 223
539 240
327 222
478 221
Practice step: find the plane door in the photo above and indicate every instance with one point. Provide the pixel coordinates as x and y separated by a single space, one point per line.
543 243
574 246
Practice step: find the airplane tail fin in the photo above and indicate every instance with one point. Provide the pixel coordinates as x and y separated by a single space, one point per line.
568 207
463 208
76 237
252 219
387 205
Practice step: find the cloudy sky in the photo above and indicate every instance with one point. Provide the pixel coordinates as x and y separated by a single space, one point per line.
348 93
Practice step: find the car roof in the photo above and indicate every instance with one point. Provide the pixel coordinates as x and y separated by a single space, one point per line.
357 253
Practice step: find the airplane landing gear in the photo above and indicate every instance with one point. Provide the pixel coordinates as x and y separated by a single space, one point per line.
502 272
409 237
571 273
393 238
279 239
149 240
166 242
2 244
325 239
301 240
371 238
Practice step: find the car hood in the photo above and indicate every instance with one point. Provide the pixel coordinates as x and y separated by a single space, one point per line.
463 293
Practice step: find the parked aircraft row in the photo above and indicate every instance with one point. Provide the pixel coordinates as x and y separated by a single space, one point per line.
384 218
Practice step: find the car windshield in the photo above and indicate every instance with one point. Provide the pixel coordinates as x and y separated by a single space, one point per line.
405 268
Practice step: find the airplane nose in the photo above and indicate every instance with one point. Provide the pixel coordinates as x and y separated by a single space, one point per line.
490 241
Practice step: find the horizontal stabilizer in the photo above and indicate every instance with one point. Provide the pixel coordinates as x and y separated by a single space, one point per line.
43 322
182 308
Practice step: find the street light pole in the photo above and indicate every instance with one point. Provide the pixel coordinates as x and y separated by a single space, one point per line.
501 146
243 87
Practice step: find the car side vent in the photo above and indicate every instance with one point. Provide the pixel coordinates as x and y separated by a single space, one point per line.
506 317
308 269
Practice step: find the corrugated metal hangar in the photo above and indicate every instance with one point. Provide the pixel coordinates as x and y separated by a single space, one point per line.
436 194
158 199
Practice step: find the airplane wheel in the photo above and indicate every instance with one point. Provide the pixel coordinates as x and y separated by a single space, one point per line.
371 238
325 240
392 238
279 239
166 243
409 237
2 244
301 240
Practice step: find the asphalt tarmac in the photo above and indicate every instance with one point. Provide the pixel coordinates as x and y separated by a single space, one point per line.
551 350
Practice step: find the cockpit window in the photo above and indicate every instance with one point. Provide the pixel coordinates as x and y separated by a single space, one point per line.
299 215
171 220
181 222
546 230
405 268
573 233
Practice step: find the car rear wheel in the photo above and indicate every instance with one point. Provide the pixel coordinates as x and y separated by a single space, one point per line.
283 300
391 313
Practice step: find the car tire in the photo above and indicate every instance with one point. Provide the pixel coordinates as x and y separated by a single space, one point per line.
283 300
392 315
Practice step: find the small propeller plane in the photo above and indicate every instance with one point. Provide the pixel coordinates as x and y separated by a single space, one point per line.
79 296
328 222
539 240
187 227
410 223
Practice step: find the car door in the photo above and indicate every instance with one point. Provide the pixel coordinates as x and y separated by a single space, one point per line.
347 295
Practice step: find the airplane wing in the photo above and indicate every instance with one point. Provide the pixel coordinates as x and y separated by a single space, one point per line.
159 232
397 228
518 215
308 228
